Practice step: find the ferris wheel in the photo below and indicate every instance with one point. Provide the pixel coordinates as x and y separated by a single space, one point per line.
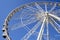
29 21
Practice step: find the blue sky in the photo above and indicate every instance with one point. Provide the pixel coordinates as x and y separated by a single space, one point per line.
7 5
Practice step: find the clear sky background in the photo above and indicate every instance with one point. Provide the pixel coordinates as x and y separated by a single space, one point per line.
7 5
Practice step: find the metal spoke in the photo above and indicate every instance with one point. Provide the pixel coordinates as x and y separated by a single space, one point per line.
53 25
41 30
45 7
32 8
30 16
20 25
40 13
56 12
47 28
55 22
39 8
58 18
53 8
31 32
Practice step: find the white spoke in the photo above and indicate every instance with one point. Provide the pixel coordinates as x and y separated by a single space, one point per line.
41 30
28 21
29 16
58 18
25 15
20 25
55 22
56 12
31 32
46 7
39 8
53 8
32 8
47 29
55 27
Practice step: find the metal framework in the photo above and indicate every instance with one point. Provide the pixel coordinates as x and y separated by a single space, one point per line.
44 16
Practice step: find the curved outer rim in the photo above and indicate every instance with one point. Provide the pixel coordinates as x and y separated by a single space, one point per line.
5 25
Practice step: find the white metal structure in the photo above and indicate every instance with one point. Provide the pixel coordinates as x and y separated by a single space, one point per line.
43 12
